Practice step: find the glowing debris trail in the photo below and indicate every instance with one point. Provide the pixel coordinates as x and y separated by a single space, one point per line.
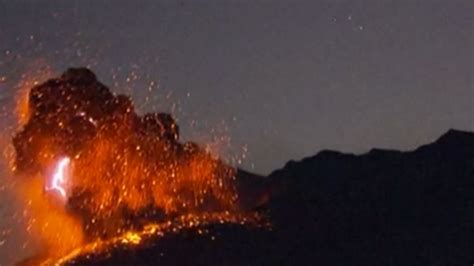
153 232
59 177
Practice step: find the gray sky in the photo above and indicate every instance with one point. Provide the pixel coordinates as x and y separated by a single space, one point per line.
285 78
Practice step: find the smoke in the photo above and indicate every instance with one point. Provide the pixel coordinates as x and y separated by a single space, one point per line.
125 169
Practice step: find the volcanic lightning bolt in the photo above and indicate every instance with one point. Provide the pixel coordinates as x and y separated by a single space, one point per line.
59 178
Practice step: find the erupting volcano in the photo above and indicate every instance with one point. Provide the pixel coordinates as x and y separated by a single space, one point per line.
96 172
102 185
236 133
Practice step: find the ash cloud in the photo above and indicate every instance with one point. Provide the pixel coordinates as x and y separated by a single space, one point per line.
128 168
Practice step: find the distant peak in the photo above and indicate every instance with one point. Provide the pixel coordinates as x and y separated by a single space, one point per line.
454 135
328 153
378 151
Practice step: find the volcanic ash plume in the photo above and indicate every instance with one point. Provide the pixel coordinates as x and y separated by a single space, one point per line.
85 151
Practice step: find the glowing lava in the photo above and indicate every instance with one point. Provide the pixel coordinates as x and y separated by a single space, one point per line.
153 232
60 177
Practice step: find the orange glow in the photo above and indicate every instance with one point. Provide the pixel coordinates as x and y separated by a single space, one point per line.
37 72
47 221
119 171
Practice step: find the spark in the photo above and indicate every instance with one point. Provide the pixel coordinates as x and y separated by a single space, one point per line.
59 177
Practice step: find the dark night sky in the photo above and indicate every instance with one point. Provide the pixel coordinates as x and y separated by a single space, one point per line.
286 79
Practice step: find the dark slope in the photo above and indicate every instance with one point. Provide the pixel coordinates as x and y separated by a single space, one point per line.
380 208
383 207
252 190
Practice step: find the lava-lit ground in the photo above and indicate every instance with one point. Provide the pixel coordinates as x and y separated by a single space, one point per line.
161 238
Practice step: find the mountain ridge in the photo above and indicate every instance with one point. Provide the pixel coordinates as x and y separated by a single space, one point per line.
409 208
451 136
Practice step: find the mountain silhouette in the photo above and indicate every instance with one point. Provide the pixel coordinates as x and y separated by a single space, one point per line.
381 208
384 207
